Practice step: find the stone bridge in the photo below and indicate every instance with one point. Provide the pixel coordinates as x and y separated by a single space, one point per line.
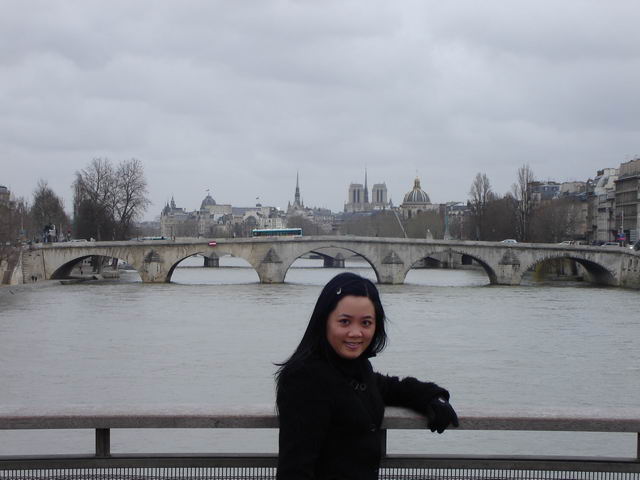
390 258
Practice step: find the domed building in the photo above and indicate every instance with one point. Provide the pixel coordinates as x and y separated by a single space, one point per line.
208 201
211 215
416 201
207 221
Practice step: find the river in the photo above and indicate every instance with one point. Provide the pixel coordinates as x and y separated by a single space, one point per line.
212 336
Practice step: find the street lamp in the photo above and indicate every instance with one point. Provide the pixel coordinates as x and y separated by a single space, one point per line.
447 234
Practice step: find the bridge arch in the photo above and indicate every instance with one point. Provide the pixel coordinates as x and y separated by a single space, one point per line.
421 255
64 270
330 261
597 273
205 252
305 249
173 267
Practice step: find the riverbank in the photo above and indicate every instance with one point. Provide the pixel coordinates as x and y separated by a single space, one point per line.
10 265
10 290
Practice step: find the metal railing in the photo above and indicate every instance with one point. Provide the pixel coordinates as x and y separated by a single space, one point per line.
104 465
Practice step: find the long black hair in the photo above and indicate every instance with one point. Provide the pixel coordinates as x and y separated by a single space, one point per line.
314 341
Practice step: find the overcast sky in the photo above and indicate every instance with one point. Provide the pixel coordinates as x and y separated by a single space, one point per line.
237 96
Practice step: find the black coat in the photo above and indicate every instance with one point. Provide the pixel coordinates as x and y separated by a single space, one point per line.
330 414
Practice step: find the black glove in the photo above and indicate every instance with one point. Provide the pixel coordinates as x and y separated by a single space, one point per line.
441 414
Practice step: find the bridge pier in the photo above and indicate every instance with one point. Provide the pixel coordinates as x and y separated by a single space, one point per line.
270 267
148 275
152 269
391 274
507 275
271 273
212 261
334 262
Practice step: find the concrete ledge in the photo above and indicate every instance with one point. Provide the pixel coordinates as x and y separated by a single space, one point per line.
185 241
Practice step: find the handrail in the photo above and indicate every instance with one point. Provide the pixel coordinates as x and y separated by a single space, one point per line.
264 416
102 419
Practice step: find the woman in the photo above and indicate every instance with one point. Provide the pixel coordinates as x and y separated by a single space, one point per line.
331 402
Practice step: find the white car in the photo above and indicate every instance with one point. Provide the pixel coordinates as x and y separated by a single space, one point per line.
509 240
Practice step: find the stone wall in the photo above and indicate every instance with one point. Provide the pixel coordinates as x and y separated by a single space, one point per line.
10 266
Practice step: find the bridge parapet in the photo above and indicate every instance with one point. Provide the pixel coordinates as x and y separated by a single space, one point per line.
390 258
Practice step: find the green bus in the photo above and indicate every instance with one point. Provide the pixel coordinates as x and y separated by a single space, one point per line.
276 232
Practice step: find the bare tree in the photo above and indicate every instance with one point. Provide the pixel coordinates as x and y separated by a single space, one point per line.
94 200
378 224
308 227
499 219
555 220
480 196
107 201
48 209
426 223
130 196
15 222
522 193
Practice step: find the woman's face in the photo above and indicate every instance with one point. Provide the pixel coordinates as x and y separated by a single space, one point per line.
351 325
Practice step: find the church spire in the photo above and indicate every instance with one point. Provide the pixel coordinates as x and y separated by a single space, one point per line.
297 195
366 189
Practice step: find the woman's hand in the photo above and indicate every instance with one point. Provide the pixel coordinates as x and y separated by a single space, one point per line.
441 414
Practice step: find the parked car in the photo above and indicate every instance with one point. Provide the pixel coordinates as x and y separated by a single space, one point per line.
610 244
509 240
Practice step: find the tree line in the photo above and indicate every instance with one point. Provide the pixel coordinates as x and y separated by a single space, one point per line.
107 200
518 214
488 217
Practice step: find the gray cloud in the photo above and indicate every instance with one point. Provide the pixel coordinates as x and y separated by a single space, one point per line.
238 96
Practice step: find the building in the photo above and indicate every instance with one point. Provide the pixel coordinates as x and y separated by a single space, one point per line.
211 217
603 203
379 197
211 220
627 200
358 197
148 228
245 219
544 191
176 222
356 201
5 196
455 215
322 218
605 181
580 211
572 188
416 201
297 207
